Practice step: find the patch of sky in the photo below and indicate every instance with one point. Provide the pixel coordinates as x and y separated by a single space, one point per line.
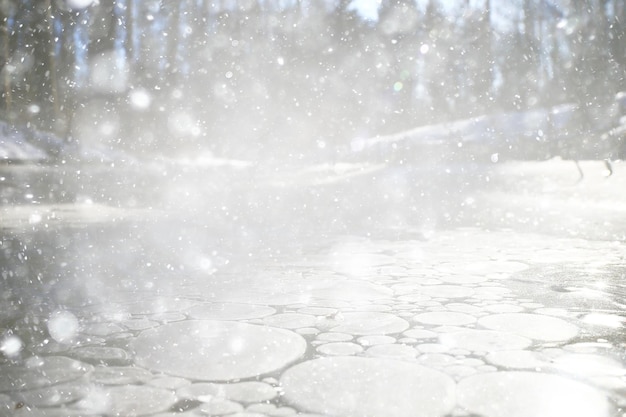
503 14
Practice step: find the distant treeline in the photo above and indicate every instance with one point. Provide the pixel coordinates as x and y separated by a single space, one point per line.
296 72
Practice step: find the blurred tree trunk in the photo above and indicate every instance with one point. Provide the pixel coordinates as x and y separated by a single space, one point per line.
130 33
57 122
173 42
530 49
617 39
5 17
485 50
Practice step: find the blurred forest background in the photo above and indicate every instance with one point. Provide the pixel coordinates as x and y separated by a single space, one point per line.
302 74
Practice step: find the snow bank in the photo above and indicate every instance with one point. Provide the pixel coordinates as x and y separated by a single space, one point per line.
531 134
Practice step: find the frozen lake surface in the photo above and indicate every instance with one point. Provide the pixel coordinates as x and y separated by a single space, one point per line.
338 290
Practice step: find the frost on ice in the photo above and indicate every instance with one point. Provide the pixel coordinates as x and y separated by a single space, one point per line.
217 350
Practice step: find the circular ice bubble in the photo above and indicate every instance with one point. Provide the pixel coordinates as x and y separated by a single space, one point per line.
229 311
392 351
53 395
420 334
63 326
518 359
447 291
414 298
463 279
528 394
244 392
100 355
219 407
41 372
290 320
533 326
484 340
216 350
250 391
374 340
503 308
368 323
334 337
443 318
120 375
464 308
368 387
132 400
340 349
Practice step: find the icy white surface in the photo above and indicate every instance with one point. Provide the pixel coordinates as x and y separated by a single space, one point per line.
420 334
157 305
219 406
518 359
290 320
529 394
533 326
447 291
376 340
394 351
586 364
101 355
229 311
503 308
334 337
368 387
370 323
136 400
39 372
246 392
53 395
217 350
348 290
445 318
340 349
346 260
482 267
484 340
120 375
